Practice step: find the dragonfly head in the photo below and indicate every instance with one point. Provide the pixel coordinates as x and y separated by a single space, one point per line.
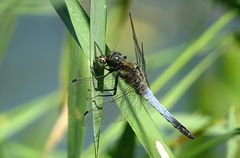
113 59
102 59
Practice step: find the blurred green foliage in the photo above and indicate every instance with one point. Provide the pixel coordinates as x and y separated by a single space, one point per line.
235 4
198 79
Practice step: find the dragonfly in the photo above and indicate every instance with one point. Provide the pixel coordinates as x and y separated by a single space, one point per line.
134 76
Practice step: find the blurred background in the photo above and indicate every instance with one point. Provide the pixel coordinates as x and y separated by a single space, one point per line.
33 38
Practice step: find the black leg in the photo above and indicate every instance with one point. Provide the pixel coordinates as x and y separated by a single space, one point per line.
95 103
114 89
110 70
100 77
95 49
99 107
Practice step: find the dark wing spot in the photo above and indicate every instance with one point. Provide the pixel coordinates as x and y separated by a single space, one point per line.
74 80
85 113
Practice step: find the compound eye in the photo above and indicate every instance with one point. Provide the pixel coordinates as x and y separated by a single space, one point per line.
102 59
117 58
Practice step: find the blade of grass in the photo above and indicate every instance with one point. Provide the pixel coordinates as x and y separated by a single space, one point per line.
126 144
76 19
6 31
143 126
108 139
8 15
80 23
233 145
181 87
147 133
177 91
21 150
210 143
36 8
18 118
77 106
164 57
199 123
58 131
70 58
117 19
98 14
61 9
193 49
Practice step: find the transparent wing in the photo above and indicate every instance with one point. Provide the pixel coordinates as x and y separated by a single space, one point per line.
138 51
75 86
108 86
120 107
125 96
129 103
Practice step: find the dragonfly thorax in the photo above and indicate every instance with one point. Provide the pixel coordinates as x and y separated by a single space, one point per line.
114 59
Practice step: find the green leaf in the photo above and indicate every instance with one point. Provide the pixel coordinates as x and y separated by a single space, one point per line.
232 123
108 139
21 150
61 9
98 15
203 144
80 23
15 120
76 21
126 144
142 124
77 106
117 19
181 87
8 15
193 49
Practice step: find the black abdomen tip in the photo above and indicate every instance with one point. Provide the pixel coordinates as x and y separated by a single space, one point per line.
190 136
74 80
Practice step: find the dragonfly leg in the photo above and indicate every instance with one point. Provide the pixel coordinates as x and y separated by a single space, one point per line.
95 49
98 107
114 89
95 103
101 77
